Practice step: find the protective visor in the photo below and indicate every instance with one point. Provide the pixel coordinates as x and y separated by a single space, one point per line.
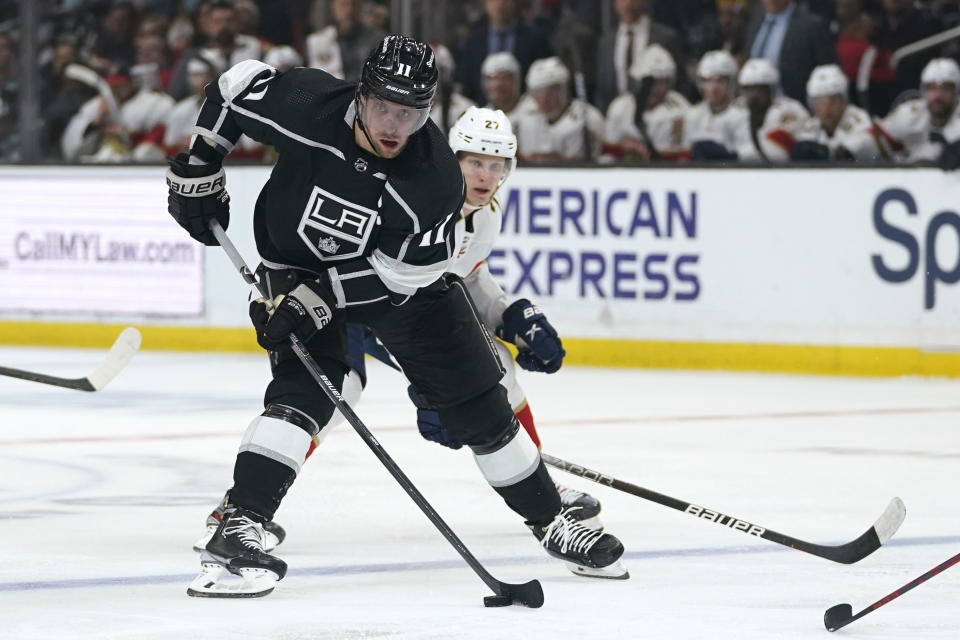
390 118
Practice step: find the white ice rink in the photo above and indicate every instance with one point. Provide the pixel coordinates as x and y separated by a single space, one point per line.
102 495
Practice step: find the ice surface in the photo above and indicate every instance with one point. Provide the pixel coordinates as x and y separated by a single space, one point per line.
102 495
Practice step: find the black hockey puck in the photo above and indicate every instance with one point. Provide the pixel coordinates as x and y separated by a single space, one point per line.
837 616
497 601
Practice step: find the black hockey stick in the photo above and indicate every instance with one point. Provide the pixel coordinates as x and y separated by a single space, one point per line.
529 594
117 358
841 615
874 537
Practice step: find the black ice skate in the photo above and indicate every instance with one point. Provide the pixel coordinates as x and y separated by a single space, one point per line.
589 507
237 547
274 532
586 551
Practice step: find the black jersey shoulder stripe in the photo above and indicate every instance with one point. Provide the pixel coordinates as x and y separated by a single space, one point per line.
287 132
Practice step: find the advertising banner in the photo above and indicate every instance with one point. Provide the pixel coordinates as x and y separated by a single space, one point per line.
94 242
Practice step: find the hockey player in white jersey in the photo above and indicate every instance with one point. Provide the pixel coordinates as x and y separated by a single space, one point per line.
501 85
928 128
774 119
838 130
563 128
713 129
658 133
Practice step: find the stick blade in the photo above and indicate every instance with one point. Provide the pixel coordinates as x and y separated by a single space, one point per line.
117 358
528 594
888 523
837 616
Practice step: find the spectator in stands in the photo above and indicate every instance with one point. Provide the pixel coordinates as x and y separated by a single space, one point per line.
658 133
501 30
574 43
114 46
561 129
340 48
182 117
154 60
774 119
794 40
9 135
448 104
126 124
838 130
501 86
377 17
219 41
713 129
901 24
620 49
9 72
853 27
928 128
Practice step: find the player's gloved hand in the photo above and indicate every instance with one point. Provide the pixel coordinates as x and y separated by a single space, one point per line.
303 312
196 196
809 150
428 421
711 150
525 326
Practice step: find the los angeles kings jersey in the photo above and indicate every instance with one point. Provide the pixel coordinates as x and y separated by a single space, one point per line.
380 228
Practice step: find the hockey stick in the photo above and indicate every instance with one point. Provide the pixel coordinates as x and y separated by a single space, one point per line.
841 615
529 594
871 540
117 358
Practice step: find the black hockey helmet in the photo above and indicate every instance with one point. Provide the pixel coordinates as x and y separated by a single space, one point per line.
401 70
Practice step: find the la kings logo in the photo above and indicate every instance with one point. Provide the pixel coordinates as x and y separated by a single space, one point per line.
334 228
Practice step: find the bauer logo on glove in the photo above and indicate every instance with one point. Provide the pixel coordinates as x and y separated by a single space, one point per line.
525 326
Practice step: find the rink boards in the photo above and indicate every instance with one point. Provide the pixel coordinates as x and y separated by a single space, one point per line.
827 271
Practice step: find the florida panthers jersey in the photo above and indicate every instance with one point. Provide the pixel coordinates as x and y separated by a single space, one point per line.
576 135
854 133
664 122
701 124
778 132
381 228
909 129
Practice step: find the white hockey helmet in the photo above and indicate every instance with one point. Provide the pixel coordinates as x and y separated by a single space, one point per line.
941 71
758 71
283 57
656 62
827 80
547 72
485 132
499 62
717 63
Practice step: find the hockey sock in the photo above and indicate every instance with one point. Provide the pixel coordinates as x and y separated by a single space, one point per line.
259 483
525 416
535 497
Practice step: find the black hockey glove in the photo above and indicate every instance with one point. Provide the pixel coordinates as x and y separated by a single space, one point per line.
525 326
304 311
428 422
710 150
196 196
809 150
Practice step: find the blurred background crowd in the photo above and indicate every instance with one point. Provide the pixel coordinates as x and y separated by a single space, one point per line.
583 81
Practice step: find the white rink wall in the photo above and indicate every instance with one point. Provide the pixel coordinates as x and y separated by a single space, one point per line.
860 257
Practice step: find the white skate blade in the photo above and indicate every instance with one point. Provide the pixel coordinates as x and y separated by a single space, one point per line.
216 581
270 541
615 571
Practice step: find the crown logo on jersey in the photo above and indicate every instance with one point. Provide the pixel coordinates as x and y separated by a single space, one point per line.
360 164
328 245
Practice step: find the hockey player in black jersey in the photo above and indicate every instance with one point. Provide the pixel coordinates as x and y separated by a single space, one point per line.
356 223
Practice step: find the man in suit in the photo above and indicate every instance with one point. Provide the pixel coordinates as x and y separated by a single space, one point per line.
623 47
794 40
502 30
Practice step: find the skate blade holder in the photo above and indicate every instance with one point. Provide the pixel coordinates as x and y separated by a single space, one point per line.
217 581
615 571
